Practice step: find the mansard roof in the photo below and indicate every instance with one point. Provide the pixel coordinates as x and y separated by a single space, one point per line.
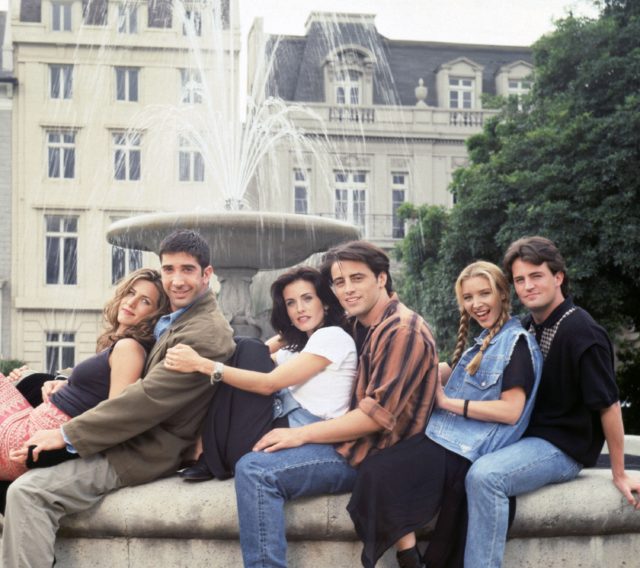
399 64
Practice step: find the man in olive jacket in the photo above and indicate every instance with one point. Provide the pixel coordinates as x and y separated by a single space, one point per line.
136 437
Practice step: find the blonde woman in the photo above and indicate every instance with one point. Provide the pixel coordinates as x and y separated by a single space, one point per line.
130 317
485 405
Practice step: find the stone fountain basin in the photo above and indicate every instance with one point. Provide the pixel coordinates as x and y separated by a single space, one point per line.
239 239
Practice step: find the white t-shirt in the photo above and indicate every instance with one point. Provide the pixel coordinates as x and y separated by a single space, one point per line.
328 393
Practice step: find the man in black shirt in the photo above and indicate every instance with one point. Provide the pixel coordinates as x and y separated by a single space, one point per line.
576 408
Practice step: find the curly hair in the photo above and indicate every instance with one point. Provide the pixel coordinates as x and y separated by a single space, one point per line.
500 286
294 339
142 331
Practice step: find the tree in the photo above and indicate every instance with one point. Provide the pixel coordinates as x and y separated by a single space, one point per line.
564 166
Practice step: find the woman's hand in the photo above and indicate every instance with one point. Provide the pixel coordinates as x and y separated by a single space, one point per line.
183 359
42 440
49 387
279 439
17 373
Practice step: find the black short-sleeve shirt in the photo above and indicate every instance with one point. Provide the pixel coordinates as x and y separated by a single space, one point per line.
578 381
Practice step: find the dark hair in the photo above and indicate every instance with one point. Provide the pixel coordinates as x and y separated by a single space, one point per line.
295 339
189 242
143 330
536 250
358 251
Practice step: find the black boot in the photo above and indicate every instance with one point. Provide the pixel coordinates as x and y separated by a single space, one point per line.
197 472
409 558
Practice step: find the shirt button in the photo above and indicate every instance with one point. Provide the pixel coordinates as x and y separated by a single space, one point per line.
484 383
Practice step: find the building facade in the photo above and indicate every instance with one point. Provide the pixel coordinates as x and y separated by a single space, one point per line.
99 84
7 82
392 118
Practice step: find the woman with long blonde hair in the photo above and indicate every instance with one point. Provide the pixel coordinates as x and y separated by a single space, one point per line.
130 316
485 405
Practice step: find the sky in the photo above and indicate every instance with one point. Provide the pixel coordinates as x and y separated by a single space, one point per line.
499 22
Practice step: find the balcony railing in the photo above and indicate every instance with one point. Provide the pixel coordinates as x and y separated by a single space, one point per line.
466 118
352 114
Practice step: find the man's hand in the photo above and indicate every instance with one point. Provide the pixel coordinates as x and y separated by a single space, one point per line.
49 387
279 439
42 440
628 486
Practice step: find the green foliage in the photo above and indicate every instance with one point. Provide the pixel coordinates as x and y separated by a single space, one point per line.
7 365
566 167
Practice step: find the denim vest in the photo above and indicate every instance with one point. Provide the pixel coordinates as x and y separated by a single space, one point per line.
473 438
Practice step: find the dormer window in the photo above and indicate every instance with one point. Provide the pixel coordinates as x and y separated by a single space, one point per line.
459 84
348 76
514 79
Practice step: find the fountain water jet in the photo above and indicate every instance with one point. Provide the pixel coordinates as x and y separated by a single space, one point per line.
242 242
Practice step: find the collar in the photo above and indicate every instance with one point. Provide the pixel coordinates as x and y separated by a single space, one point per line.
390 308
555 315
166 321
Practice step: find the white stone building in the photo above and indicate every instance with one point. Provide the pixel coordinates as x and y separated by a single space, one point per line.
7 81
88 149
395 114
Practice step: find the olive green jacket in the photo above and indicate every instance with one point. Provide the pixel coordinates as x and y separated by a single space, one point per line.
146 431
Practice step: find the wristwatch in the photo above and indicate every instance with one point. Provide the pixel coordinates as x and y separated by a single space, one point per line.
216 374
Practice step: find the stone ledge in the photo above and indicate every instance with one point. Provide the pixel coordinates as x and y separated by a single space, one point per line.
584 523
171 508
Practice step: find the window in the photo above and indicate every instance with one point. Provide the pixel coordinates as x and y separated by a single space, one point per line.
519 87
127 18
126 155
350 197
348 87
61 81
192 23
60 350
191 162
124 261
61 149
301 191
460 93
192 87
399 187
60 16
127 83
61 249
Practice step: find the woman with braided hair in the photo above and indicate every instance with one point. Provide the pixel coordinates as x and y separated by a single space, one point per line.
485 405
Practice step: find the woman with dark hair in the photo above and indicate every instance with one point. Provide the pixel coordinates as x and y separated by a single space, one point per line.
485 405
129 317
315 363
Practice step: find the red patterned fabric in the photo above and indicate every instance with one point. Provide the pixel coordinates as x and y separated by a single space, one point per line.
18 422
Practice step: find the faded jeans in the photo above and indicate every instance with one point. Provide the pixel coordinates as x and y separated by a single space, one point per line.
525 466
265 481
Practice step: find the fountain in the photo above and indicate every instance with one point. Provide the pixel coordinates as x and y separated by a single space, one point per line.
242 242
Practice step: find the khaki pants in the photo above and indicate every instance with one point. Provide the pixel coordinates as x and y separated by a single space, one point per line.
37 501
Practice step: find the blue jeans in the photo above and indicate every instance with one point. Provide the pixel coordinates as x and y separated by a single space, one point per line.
525 466
264 481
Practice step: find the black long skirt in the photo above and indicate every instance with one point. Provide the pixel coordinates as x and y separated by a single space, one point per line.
401 489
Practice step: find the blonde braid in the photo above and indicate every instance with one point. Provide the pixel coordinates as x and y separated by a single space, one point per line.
461 339
474 364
